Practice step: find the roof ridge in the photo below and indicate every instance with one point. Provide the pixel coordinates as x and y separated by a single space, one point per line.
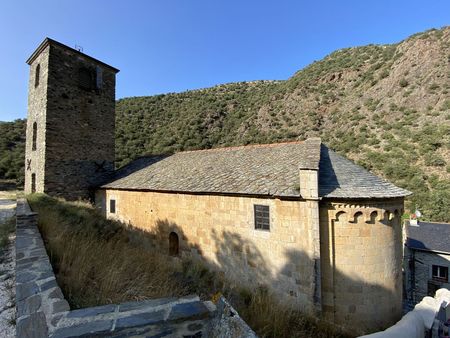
268 145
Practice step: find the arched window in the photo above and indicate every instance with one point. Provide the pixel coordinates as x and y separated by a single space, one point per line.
34 138
173 244
37 74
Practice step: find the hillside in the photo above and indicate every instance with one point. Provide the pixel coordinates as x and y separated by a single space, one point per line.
386 107
12 150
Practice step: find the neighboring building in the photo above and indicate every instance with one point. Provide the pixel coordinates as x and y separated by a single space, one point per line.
427 259
317 229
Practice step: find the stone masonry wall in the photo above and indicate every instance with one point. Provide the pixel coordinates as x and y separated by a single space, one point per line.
76 125
361 255
37 103
42 310
221 230
38 297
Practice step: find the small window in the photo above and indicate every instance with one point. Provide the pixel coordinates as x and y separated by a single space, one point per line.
33 183
262 217
112 206
37 75
34 138
439 273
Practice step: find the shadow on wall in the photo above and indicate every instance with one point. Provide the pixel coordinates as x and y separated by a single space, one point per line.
359 304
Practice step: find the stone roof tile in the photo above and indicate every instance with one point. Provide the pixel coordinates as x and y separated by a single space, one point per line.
271 169
428 236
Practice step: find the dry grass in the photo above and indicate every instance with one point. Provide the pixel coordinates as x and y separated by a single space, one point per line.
99 261
95 260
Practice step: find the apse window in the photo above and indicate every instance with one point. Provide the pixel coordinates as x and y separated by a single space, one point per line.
262 217
439 273
112 206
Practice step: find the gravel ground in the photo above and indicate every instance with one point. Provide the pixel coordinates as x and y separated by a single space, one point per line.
7 275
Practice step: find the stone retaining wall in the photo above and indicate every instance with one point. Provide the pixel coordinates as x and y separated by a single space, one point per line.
42 310
38 296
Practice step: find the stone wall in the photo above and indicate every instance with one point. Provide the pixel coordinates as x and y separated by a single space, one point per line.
38 297
76 125
37 103
418 269
221 230
42 310
361 256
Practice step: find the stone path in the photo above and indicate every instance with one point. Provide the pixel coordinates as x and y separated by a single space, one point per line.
7 275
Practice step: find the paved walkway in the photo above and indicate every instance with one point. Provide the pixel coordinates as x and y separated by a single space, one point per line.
7 275
7 208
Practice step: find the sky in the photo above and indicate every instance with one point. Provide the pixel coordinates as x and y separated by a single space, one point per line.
163 46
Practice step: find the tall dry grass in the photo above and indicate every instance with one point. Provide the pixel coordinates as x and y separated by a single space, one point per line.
99 261
94 260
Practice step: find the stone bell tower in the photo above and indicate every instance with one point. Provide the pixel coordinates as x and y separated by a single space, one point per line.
71 122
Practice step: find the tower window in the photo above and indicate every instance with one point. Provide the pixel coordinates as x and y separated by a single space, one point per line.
33 183
262 217
34 138
37 75
86 78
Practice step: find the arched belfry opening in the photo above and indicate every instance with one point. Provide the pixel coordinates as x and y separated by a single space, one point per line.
174 245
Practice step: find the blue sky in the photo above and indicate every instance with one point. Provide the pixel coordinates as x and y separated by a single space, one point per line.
164 46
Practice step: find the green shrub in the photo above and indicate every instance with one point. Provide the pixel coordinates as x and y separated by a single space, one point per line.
434 160
403 83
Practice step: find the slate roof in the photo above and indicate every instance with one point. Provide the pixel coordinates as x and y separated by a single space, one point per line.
271 169
429 236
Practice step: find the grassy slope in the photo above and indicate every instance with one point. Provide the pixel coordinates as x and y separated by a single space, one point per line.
386 107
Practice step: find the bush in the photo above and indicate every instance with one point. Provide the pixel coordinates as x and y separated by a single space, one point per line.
434 160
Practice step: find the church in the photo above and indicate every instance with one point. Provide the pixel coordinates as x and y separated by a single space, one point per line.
320 231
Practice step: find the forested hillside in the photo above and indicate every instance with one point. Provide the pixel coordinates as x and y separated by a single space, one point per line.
12 150
386 107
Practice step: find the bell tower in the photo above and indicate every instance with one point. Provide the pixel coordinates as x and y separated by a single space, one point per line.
70 123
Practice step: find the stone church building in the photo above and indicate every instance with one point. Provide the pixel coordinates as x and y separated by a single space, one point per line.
317 229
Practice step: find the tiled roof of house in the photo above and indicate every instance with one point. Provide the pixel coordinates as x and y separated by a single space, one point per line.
271 169
429 236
